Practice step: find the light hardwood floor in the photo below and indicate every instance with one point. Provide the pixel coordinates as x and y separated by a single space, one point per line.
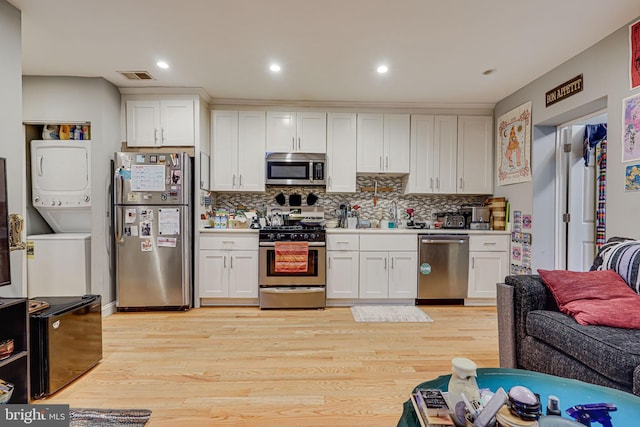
235 366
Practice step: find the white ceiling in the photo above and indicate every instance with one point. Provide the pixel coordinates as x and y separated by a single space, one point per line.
436 50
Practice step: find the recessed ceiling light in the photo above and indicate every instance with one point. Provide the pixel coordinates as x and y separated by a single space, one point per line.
489 71
162 64
382 69
274 67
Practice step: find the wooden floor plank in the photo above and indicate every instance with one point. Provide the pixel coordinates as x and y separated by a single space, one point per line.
241 366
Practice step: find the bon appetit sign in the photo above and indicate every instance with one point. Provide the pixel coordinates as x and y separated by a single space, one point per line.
565 90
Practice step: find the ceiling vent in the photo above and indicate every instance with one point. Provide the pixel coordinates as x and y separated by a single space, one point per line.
137 75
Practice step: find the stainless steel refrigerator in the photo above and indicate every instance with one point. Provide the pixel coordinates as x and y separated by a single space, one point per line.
153 231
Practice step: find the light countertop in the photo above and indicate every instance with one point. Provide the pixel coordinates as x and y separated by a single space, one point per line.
371 231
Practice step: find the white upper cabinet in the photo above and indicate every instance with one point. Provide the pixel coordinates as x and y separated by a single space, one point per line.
383 143
304 132
475 155
433 154
160 123
341 153
451 155
237 150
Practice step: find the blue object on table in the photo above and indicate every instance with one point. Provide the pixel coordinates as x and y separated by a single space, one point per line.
598 412
569 392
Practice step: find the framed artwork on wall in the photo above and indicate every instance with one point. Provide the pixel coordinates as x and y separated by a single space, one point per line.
634 54
513 145
631 128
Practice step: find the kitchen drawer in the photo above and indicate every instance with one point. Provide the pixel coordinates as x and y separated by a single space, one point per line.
343 242
387 242
229 241
499 243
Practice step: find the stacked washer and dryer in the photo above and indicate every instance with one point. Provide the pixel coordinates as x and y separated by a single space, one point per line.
59 263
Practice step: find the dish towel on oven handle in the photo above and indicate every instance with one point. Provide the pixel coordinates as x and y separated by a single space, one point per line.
292 257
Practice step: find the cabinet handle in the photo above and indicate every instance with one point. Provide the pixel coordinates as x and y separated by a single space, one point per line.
329 263
437 183
155 135
293 143
385 263
473 262
240 181
163 136
431 183
330 182
461 183
231 261
299 143
392 263
386 160
224 261
489 243
233 180
381 163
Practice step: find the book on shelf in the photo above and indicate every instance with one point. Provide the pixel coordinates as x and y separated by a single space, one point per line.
422 413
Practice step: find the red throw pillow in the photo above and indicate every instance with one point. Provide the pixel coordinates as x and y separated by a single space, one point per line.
598 297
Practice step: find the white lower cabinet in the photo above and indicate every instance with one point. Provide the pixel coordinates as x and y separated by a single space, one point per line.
228 267
488 265
342 274
388 274
388 266
342 266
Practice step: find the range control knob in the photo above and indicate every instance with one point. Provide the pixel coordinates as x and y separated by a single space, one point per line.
279 236
37 199
87 198
306 236
271 236
53 203
59 203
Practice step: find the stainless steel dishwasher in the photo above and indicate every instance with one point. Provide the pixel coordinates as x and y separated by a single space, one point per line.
443 267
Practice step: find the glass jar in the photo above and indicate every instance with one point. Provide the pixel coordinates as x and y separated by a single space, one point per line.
463 380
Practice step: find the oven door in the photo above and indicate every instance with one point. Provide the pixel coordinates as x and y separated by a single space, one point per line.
315 274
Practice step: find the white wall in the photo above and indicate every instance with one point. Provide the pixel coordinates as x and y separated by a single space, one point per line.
73 99
605 67
11 147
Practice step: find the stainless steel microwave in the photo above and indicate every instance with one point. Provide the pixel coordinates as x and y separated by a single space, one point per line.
295 169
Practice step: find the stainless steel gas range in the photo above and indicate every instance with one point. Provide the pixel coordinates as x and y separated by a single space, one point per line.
292 267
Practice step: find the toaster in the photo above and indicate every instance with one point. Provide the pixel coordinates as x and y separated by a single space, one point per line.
454 221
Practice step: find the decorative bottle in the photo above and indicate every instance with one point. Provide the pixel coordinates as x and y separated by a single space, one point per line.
463 380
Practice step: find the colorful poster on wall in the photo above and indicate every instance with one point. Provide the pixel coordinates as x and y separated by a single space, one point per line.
513 148
631 128
632 178
634 54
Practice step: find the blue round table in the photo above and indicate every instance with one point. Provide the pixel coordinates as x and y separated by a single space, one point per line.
570 392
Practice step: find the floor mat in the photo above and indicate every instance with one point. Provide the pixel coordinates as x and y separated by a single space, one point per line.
389 313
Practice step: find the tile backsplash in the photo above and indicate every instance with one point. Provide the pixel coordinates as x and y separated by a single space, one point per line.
425 206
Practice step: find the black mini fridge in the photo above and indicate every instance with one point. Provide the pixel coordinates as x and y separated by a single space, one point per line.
66 341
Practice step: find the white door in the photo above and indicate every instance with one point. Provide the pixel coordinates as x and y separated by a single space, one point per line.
281 131
403 275
396 143
370 142
374 275
342 274
214 275
581 205
475 155
224 134
143 123
243 274
178 123
341 153
250 150
445 154
486 269
311 130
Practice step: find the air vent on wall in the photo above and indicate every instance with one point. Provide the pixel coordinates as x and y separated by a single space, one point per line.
137 75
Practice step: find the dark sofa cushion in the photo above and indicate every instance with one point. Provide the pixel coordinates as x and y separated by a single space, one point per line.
594 297
613 352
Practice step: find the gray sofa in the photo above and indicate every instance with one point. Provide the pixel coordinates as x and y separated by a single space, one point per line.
533 334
